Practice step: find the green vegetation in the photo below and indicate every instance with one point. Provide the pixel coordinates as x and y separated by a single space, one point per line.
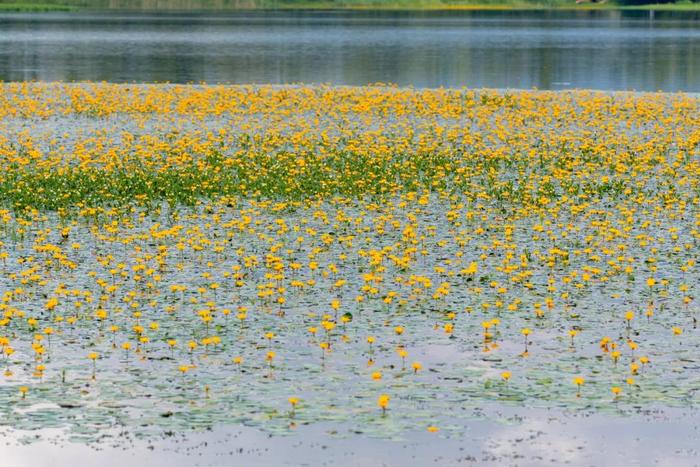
679 6
31 6
211 5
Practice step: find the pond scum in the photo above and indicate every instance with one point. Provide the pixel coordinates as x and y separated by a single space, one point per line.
184 257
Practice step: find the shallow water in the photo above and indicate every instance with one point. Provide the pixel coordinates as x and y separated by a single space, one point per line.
518 437
227 256
547 50
143 392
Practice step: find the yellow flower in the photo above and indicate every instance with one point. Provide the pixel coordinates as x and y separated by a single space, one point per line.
383 402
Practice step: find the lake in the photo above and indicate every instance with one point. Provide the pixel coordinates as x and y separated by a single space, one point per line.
609 50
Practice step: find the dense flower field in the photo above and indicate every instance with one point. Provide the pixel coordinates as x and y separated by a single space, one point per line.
179 257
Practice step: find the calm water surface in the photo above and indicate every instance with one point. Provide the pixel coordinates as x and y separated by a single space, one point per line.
548 50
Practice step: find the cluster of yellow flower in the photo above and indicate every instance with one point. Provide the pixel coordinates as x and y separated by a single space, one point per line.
339 249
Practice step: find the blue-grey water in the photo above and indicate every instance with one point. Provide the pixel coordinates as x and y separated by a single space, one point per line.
547 50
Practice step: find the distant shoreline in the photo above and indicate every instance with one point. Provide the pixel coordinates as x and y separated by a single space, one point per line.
350 5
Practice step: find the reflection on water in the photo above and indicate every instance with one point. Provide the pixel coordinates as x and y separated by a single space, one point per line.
554 50
523 437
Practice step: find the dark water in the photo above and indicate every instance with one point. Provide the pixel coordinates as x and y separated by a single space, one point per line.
547 50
